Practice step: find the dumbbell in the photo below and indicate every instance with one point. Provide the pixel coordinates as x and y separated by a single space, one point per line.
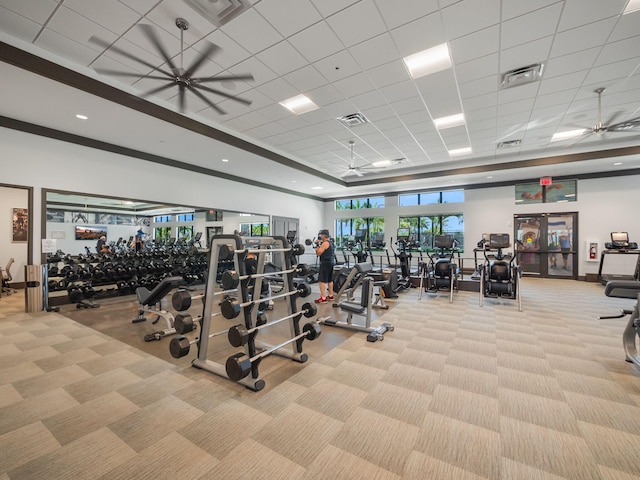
226 251
238 335
231 307
231 279
182 299
180 346
238 366
184 323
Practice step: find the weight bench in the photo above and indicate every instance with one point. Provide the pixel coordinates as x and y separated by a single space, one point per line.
362 308
631 333
151 302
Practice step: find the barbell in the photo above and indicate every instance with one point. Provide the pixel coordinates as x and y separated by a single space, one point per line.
231 307
226 251
238 335
238 366
230 278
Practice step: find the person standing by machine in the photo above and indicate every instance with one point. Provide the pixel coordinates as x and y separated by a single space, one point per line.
326 253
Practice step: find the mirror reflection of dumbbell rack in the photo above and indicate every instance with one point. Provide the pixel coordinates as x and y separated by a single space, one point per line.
248 306
82 278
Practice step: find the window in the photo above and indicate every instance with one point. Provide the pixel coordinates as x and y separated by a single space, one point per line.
185 232
163 218
162 233
254 229
424 228
369 231
185 217
358 203
557 192
431 198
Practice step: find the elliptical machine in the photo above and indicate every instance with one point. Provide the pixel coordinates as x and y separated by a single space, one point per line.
500 274
404 259
441 273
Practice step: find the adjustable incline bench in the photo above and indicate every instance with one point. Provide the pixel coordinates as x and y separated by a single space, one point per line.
150 302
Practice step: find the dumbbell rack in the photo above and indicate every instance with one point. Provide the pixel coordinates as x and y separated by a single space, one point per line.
231 246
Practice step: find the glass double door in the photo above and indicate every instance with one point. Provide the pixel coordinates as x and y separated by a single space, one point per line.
548 245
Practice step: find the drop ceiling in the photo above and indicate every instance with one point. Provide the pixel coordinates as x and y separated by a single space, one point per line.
346 56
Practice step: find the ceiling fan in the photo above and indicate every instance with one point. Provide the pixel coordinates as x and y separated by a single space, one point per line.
354 170
600 127
178 76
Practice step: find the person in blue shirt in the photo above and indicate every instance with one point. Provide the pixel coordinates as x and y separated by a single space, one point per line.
565 248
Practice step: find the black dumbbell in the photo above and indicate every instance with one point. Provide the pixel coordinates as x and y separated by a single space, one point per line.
238 335
230 278
184 324
238 366
231 307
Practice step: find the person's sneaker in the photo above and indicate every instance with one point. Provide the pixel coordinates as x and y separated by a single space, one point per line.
321 300
330 297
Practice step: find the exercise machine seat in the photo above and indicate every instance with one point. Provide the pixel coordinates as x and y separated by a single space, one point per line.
622 289
365 299
146 297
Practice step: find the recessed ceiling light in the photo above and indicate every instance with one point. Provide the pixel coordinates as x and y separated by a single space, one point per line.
382 163
82 117
617 163
299 104
459 151
317 188
490 176
293 181
567 135
632 6
225 160
428 61
450 121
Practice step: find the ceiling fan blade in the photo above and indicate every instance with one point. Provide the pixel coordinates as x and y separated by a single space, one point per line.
207 101
613 117
181 98
222 78
158 89
126 54
153 38
358 172
626 126
223 94
211 47
106 71
347 173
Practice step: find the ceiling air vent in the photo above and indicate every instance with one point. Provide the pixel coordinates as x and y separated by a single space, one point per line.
219 12
522 76
509 143
353 119
398 161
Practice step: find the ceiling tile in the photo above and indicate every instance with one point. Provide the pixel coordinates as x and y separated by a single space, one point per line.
329 7
515 8
325 95
18 26
37 12
581 38
110 14
408 105
398 91
480 101
140 6
526 54
368 100
374 52
411 9
288 16
478 68
388 74
282 58
230 52
622 50
165 13
305 79
533 26
481 86
316 42
581 12
423 33
627 26
365 15
70 49
606 74
354 85
261 73
278 90
518 106
74 26
581 60
470 16
263 35
338 66
475 45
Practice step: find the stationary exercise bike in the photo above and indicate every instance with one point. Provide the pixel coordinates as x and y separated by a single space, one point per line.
500 273
631 333
441 272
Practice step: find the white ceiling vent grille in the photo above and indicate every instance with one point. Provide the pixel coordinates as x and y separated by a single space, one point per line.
522 75
353 119
509 143
218 12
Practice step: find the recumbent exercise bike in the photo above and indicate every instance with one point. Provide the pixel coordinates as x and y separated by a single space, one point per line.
500 273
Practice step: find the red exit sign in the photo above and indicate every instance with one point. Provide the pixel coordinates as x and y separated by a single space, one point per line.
545 181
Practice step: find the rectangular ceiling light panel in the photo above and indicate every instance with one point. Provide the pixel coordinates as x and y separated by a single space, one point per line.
428 61
460 151
219 12
632 6
299 104
567 135
450 121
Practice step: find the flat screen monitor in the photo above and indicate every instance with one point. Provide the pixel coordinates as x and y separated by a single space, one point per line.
620 238
499 240
86 232
291 236
361 234
197 237
403 233
443 241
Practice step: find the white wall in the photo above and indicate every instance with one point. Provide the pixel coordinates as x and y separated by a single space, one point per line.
45 163
603 206
11 198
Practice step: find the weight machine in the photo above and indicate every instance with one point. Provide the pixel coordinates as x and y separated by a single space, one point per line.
500 274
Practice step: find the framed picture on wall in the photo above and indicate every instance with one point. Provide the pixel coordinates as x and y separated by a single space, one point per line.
213 216
20 227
